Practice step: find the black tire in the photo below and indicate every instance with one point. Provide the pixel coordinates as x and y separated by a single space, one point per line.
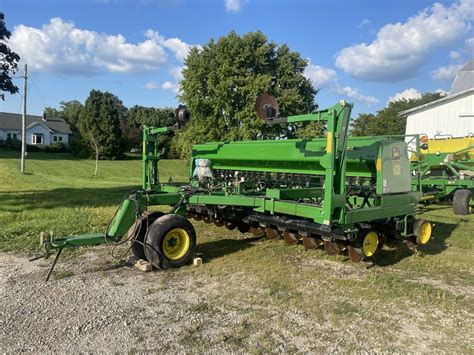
137 232
159 233
461 201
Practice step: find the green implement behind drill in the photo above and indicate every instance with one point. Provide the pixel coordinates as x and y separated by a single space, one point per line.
343 194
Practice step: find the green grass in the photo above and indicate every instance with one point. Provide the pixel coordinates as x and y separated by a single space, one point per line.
399 301
59 194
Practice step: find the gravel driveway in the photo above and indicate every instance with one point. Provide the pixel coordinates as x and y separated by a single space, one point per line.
95 305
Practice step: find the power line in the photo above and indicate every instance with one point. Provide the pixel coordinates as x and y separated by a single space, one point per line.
37 91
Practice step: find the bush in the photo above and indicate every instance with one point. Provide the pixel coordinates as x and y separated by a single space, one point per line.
79 147
33 148
57 147
13 143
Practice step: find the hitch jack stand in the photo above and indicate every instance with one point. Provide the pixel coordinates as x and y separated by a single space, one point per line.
53 264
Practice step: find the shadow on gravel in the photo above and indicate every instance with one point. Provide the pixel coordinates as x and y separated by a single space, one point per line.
397 250
223 247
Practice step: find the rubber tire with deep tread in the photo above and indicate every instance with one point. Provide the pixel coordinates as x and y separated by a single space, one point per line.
154 239
146 221
461 201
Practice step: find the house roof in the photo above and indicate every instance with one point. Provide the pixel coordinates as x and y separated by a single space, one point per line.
437 102
13 121
464 78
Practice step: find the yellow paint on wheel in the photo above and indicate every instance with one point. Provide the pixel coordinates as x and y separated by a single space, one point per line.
425 233
370 243
176 244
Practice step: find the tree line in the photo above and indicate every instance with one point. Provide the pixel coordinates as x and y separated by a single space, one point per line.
104 128
221 81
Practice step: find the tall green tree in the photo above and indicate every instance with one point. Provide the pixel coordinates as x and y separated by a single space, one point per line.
388 120
99 125
70 112
224 77
139 116
8 61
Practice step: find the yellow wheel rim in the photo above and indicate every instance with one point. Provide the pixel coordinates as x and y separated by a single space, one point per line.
176 243
425 233
370 244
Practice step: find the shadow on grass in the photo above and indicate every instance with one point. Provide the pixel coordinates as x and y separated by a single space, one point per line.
223 247
14 154
397 250
63 197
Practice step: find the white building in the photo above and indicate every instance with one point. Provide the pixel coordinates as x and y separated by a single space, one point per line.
39 131
450 116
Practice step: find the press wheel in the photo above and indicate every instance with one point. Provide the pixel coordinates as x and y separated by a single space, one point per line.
290 238
230 226
310 243
272 233
218 222
355 254
257 231
332 248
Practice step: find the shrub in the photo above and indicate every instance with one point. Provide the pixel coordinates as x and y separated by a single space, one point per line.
57 147
79 147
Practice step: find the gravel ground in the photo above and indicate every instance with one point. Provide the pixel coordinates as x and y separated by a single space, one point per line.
106 307
115 309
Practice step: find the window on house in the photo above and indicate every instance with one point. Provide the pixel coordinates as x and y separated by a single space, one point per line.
9 135
55 138
37 138
60 138
15 136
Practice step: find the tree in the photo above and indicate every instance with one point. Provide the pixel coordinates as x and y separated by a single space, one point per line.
99 125
70 112
8 61
139 116
388 120
223 79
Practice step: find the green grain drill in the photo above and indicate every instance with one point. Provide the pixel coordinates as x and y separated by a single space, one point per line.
445 167
342 194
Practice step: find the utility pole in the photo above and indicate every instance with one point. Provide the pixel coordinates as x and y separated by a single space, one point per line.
23 122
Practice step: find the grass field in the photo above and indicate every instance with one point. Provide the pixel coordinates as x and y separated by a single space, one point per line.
397 302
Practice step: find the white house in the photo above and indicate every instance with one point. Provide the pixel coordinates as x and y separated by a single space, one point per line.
450 116
39 130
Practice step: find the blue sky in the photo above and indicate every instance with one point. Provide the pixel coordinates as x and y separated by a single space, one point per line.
363 51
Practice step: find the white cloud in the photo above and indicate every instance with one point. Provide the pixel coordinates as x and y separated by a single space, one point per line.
356 95
470 45
407 94
447 72
319 76
60 47
400 49
177 73
454 55
322 77
151 85
179 48
168 85
234 5
364 22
